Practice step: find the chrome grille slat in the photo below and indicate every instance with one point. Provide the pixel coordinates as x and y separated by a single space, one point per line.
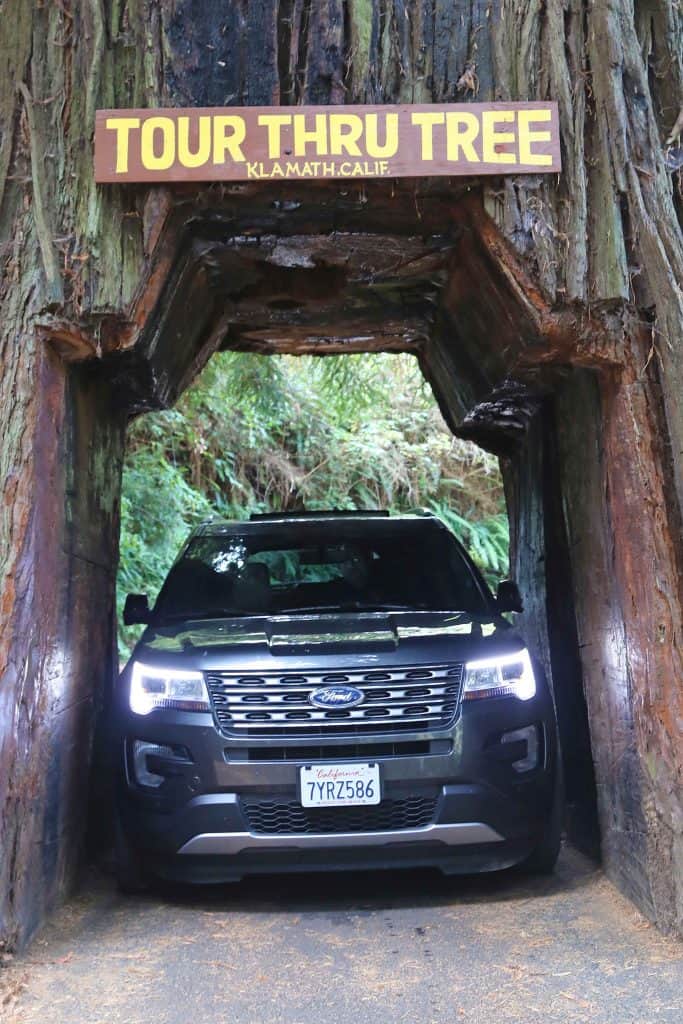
354 677
413 698
357 714
279 701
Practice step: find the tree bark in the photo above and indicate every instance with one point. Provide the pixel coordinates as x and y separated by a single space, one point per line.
83 268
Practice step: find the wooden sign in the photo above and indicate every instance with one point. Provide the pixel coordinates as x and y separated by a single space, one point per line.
273 143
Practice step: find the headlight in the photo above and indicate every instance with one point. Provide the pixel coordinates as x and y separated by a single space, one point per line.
508 675
152 687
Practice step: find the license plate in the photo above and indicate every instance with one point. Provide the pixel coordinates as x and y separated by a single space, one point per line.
339 785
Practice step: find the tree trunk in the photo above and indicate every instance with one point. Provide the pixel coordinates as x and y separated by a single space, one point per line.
591 260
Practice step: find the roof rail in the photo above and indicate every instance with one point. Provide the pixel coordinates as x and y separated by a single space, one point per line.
321 514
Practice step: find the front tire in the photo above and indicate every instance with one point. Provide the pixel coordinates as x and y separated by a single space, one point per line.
128 867
542 860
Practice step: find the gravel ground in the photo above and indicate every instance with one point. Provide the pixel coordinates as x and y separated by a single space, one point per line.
345 949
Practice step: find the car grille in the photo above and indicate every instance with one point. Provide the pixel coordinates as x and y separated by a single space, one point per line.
396 700
268 817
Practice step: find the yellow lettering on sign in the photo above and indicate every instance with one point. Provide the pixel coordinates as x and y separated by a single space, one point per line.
123 127
461 131
491 139
525 137
310 142
345 131
152 129
426 121
303 135
274 123
203 151
229 132
390 147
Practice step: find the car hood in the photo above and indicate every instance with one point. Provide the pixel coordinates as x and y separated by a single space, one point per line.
294 642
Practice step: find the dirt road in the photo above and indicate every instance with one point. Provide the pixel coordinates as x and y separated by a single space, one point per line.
349 949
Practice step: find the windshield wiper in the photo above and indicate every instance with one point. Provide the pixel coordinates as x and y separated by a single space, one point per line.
306 608
388 607
352 606
205 613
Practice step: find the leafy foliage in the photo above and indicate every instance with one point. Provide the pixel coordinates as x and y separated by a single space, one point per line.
258 433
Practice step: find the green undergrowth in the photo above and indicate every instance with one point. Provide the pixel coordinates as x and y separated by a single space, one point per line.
258 434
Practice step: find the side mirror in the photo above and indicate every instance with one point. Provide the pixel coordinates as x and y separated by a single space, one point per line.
508 597
136 610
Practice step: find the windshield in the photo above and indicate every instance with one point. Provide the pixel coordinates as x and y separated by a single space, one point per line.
336 566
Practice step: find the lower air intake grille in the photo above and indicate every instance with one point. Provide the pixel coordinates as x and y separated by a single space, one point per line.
268 817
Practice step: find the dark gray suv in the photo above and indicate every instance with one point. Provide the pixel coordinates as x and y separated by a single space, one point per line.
325 691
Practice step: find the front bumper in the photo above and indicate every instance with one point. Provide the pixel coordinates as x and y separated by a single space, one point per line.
475 828
196 827
462 833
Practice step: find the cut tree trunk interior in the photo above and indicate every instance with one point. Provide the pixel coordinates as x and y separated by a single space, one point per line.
546 314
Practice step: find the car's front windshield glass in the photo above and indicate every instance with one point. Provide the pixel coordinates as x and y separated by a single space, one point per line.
383 565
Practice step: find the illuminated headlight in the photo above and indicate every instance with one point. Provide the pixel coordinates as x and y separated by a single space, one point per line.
152 687
508 675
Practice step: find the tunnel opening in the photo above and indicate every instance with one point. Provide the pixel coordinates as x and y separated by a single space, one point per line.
417 268
256 434
274 277
474 509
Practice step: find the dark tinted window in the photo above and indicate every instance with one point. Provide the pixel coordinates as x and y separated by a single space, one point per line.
323 567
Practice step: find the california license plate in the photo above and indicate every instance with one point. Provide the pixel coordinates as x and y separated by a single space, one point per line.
339 785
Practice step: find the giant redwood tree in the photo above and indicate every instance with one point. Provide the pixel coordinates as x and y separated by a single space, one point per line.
546 312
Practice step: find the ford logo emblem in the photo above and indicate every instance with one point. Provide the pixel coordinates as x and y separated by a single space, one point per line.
336 697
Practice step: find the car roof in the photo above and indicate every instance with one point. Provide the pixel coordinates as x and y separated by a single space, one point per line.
218 527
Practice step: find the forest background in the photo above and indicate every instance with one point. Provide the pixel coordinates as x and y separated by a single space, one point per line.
265 433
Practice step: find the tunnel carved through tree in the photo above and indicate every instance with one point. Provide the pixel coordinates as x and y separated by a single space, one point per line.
546 312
